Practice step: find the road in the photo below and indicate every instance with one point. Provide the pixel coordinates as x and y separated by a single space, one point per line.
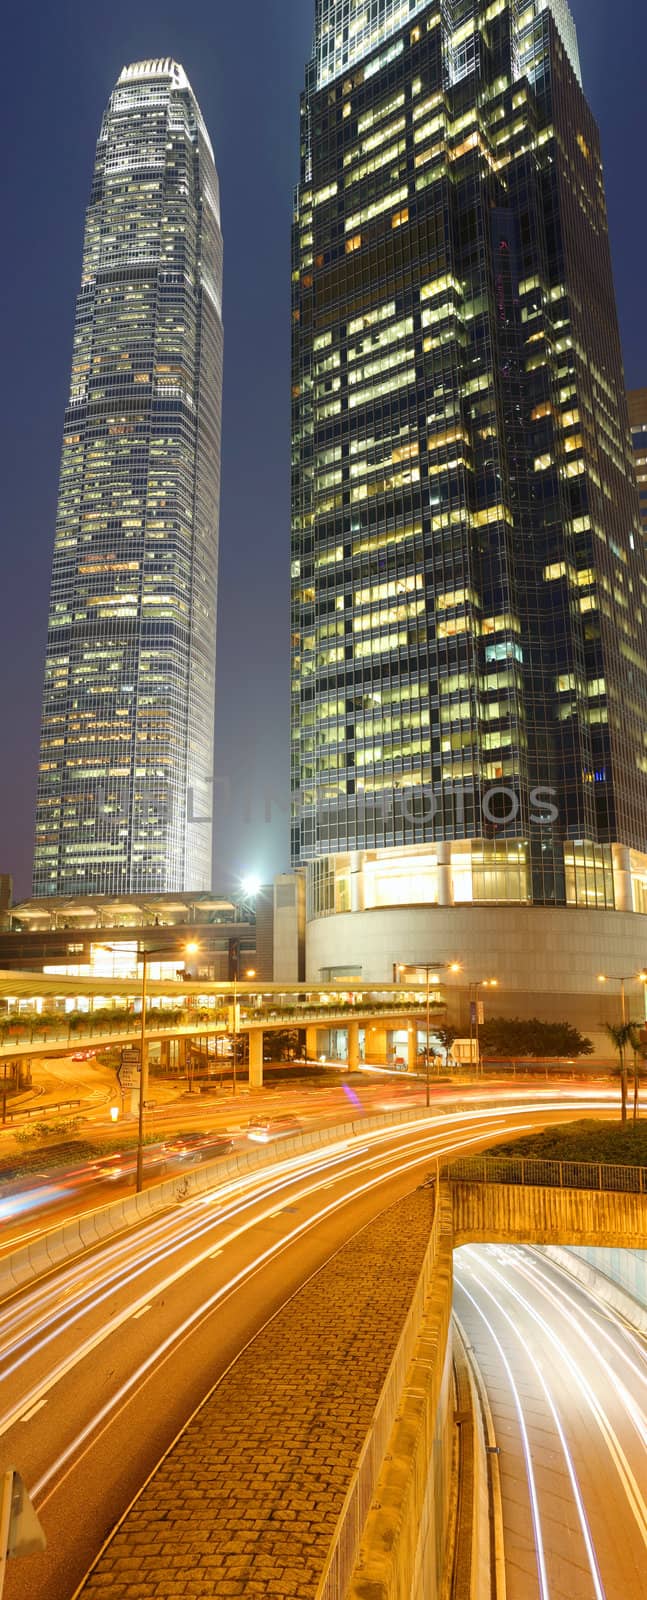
567 1385
32 1205
101 1363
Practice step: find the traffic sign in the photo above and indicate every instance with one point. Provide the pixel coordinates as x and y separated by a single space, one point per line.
128 1073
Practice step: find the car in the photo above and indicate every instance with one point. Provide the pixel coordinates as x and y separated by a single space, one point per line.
84 1055
262 1129
199 1146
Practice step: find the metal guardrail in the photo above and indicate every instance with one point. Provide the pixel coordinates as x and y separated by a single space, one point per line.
344 1547
534 1173
43 1111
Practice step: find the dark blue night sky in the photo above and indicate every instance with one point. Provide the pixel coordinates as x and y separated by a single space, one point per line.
246 65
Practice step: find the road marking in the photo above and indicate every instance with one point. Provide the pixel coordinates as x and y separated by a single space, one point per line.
218 1252
141 1313
29 1414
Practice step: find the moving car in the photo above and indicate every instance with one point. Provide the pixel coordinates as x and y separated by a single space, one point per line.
262 1129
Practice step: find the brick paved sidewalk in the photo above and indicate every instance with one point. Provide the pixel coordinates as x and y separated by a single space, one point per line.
246 1501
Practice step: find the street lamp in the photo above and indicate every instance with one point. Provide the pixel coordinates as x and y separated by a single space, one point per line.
144 956
480 983
251 973
428 967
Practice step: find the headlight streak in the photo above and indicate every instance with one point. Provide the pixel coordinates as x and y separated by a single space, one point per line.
525 1443
171 1343
625 1473
101 1334
187 1228
560 1299
570 1464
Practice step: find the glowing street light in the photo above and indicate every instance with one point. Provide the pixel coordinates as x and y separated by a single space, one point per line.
251 887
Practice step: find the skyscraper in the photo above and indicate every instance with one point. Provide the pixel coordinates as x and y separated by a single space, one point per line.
124 794
637 399
469 583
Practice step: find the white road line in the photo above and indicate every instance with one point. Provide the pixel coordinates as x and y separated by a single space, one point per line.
141 1313
29 1414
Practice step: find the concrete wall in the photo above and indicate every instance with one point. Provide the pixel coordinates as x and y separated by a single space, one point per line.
546 959
626 1268
497 1213
403 1551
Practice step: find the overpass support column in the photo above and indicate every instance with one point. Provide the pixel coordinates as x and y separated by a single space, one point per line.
353 1046
256 1058
165 1054
375 1046
412 1047
312 1053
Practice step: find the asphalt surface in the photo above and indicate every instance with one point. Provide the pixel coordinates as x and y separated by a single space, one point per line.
102 1361
567 1385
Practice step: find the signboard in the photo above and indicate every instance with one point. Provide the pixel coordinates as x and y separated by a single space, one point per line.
480 1013
128 1073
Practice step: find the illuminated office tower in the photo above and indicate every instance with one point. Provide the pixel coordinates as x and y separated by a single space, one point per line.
637 399
125 780
469 580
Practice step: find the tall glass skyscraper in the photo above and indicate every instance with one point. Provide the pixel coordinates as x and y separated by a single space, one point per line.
469 581
125 783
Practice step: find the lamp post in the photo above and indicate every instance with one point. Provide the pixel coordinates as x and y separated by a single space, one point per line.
144 956
480 983
428 967
251 973
622 979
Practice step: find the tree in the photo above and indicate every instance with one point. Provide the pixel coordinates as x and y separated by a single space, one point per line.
621 1034
513 1037
445 1036
639 1047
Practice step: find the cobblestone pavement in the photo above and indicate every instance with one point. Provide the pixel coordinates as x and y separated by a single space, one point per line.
246 1501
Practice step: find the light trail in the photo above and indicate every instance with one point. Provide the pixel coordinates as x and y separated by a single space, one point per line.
525 1442
576 1316
171 1343
570 1464
608 1378
168 1234
67 1320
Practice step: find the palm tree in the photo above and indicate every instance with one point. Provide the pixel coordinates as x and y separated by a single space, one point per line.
640 1054
621 1035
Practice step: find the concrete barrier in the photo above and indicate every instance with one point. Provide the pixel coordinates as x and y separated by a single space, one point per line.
498 1213
403 1549
612 1294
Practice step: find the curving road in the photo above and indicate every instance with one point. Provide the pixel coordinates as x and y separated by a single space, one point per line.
567 1386
30 1205
101 1362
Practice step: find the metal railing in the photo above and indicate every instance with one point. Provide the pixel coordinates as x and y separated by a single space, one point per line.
537 1174
344 1547
42 1111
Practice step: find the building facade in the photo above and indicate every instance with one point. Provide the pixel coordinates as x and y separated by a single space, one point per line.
637 400
126 769
469 583
101 937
